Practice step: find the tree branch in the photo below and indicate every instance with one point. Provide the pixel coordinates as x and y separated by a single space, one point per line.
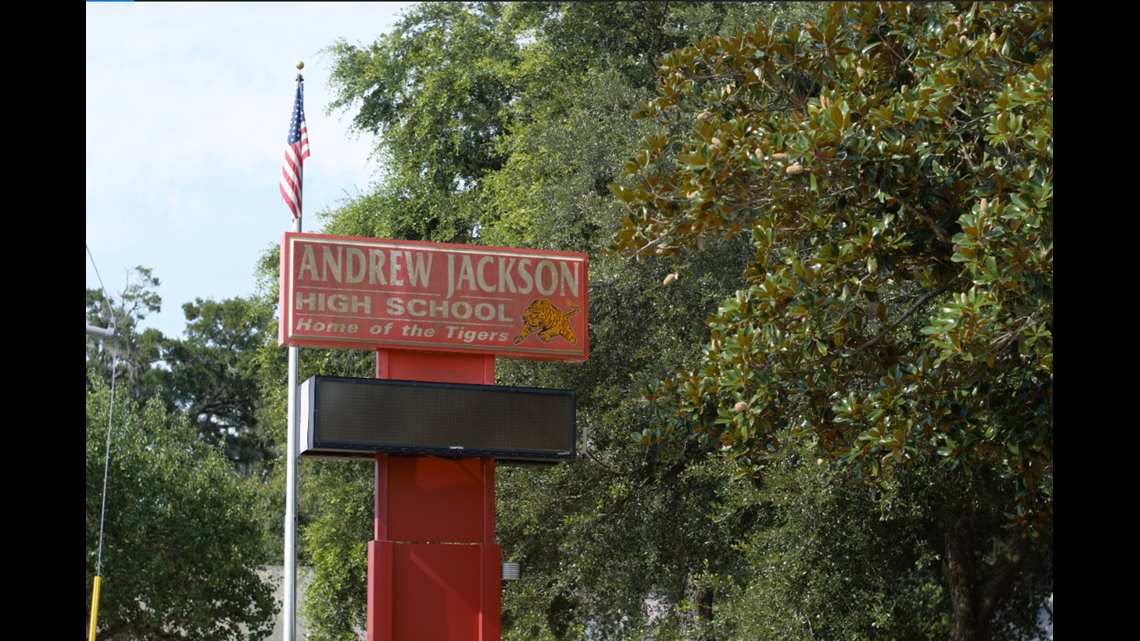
893 324
938 231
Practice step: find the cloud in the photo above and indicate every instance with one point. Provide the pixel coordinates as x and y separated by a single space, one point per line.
186 113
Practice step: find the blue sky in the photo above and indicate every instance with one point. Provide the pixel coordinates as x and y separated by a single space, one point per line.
187 111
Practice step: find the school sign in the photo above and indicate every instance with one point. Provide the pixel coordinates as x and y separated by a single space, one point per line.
364 293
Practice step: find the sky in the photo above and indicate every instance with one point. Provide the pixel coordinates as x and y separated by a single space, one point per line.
188 107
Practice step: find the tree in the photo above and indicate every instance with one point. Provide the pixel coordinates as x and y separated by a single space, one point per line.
136 350
599 537
893 167
433 93
209 374
211 377
562 129
836 558
446 92
182 542
648 541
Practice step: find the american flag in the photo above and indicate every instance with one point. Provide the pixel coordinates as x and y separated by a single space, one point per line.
296 151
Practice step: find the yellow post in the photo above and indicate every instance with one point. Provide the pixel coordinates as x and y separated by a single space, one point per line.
94 609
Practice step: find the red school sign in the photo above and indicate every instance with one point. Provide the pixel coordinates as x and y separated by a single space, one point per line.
366 293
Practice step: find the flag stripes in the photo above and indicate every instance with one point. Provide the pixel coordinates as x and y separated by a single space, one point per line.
296 151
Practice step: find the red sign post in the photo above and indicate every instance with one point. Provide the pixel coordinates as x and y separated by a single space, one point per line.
438 313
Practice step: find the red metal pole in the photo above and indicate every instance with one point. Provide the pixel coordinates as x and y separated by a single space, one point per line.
434 568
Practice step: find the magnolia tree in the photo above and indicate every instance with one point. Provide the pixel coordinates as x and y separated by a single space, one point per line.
893 166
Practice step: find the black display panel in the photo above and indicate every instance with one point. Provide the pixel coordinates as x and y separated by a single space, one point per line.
357 417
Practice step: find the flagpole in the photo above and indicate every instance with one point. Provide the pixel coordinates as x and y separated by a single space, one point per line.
290 606
291 495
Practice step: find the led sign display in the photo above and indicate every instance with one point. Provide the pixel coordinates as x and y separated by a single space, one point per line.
356 417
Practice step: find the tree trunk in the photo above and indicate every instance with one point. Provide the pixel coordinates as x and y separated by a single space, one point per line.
704 599
976 593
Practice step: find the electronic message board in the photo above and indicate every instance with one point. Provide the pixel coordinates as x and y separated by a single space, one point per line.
367 293
352 418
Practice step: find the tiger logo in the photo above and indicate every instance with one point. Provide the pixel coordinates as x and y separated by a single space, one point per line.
543 317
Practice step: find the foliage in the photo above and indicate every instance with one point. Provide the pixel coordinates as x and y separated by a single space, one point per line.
432 91
837 558
851 184
600 536
893 167
339 496
829 563
504 124
334 511
567 75
447 92
211 376
182 544
135 350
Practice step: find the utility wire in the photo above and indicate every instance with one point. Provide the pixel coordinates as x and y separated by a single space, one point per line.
107 454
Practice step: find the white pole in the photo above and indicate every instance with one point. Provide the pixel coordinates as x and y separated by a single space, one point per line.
291 461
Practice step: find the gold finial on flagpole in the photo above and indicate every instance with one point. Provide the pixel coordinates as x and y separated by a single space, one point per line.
300 65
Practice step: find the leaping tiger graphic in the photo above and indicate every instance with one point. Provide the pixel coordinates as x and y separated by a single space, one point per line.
543 317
